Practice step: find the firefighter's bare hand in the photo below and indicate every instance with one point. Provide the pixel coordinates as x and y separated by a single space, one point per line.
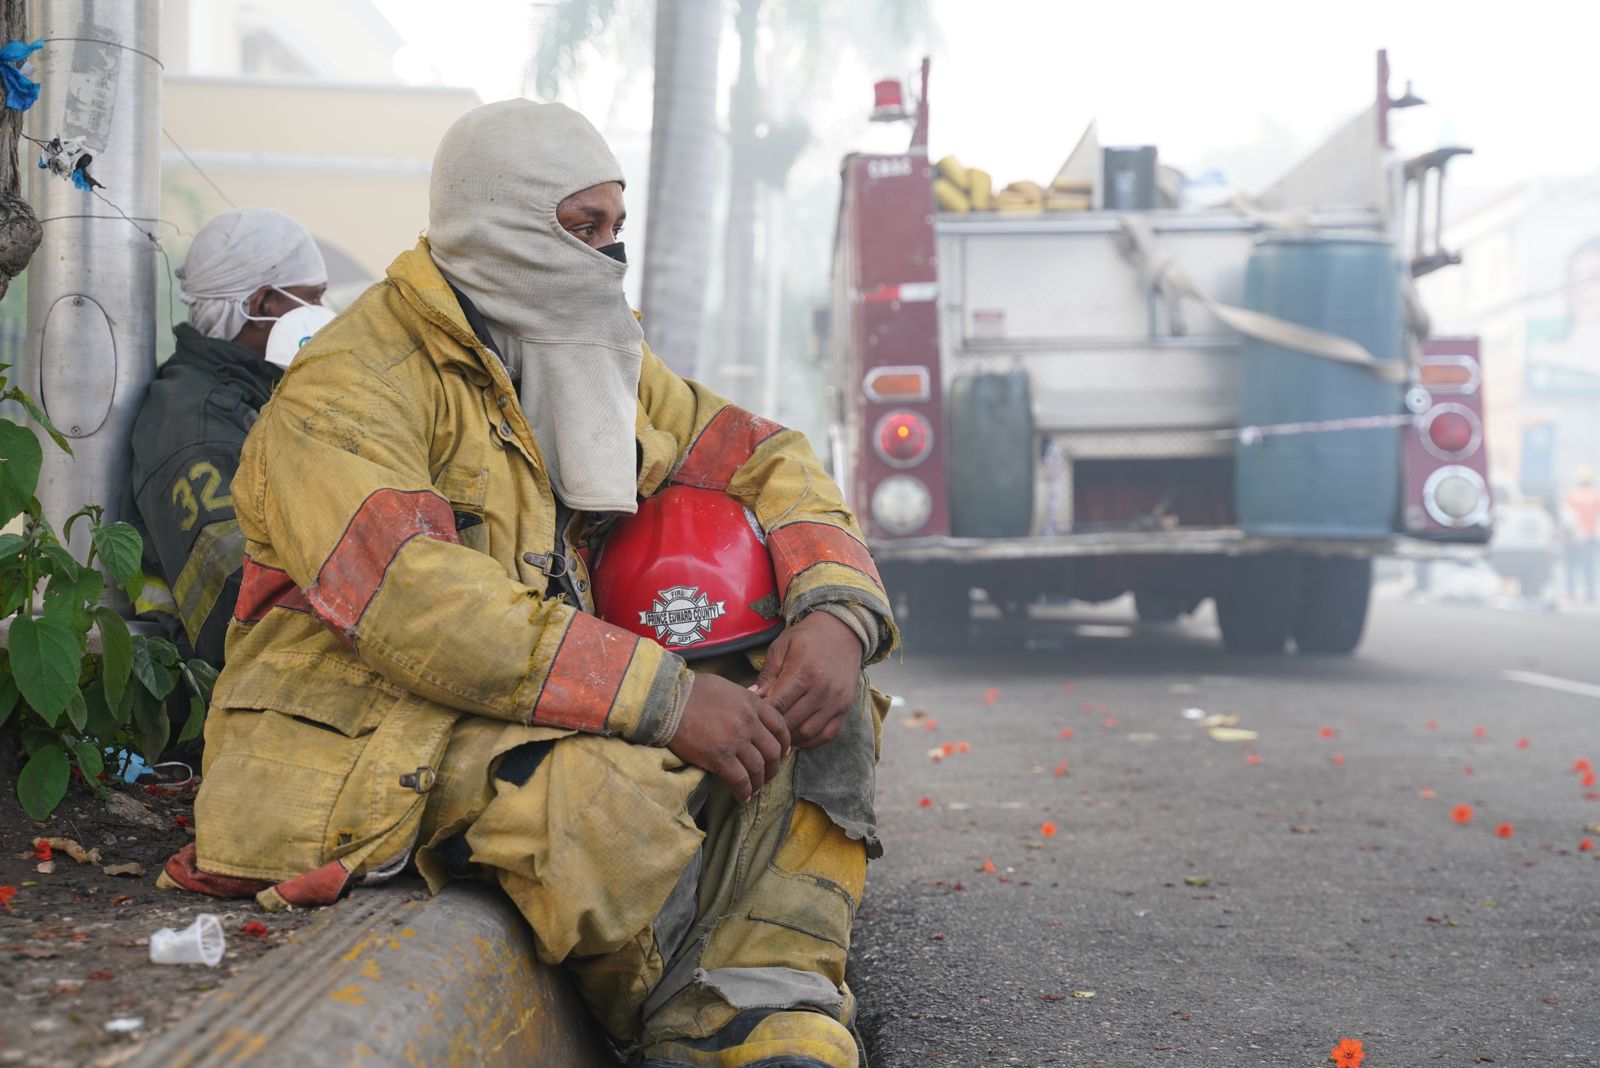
732 733
811 675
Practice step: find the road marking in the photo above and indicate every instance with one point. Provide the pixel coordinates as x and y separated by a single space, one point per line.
1552 682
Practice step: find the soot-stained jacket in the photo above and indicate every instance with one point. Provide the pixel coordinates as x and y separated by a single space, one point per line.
399 524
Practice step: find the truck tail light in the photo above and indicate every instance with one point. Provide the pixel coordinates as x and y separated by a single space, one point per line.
1456 497
1451 431
902 504
904 439
902 385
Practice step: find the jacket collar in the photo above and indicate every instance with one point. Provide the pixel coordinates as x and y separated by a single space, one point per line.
224 360
426 291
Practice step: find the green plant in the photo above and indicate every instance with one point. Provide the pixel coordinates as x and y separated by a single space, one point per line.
64 702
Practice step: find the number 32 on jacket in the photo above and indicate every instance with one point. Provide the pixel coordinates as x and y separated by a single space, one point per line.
205 475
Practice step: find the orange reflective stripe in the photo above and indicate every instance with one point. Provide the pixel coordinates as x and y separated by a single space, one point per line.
799 546
585 676
354 571
724 446
263 588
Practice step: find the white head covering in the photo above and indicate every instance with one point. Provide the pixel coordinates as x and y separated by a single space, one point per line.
236 254
553 304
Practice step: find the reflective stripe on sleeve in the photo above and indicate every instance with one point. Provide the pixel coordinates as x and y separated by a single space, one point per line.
798 547
586 675
218 552
354 571
725 445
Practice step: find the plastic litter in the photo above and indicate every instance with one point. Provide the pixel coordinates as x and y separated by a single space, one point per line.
1194 713
124 1025
202 942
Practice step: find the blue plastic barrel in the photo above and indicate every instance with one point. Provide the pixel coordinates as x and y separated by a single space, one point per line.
1343 484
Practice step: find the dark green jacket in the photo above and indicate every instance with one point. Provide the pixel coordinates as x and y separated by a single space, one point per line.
186 444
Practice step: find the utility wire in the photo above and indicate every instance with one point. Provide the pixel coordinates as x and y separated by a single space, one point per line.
198 169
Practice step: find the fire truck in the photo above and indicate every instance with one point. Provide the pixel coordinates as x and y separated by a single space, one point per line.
1238 403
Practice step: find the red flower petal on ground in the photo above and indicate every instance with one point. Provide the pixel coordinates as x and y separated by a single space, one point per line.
42 850
1326 732
182 821
963 747
931 725
1591 796
1433 724
1061 769
1067 732
102 975
1253 758
1583 847
1348 1053
988 866
1047 829
1581 764
1070 687
1426 793
1479 732
1522 743
254 928
6 894
1587 780
1110 723
990 696
1338 760
926 802
1466 769
1462 814
949 748
1505 830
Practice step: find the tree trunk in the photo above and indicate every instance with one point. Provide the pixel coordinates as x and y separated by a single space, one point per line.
683 148
19 229
740 348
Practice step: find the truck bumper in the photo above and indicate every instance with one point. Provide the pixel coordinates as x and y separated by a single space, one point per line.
939 549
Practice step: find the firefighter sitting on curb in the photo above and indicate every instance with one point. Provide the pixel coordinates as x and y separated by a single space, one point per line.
414 669
246 269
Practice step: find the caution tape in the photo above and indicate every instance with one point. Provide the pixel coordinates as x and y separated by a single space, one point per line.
1251 435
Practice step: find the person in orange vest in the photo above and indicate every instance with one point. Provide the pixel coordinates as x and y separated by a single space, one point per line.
1583 522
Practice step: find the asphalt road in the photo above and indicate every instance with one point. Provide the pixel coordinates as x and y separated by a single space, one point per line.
1226 909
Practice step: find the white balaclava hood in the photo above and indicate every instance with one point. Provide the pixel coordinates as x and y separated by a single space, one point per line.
554 305
236 254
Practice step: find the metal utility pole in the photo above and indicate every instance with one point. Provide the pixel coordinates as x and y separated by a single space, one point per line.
92 284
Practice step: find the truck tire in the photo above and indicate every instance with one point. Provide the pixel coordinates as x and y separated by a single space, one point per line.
1256 610
936 614
991 456
1332 612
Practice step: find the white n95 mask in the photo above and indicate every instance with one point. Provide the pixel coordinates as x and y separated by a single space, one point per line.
294 329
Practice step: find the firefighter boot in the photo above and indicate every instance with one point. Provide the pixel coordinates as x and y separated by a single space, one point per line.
762 1038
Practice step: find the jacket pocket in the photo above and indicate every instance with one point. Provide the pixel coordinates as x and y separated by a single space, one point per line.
467 489
325 691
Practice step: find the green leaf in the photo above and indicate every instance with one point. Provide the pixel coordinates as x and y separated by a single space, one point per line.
38 416
44 659
120 547
150 725
116 660
14 598
36 738
148 668
61 561
89 759
102 721
12 544
202 676
43 782
8 697
164 651
20 457
195 723
77 711
69 598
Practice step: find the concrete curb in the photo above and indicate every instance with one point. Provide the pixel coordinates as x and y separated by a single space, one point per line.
391 976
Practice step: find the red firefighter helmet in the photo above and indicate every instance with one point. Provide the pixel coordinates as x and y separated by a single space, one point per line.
689 570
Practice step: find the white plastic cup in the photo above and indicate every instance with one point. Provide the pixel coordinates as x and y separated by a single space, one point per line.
201 942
